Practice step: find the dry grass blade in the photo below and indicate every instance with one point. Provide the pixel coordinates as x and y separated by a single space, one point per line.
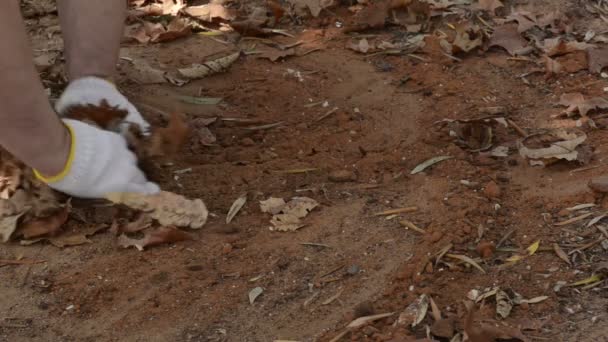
397 211
467 260
364 320
236 207
587 246
442 252
264 127
573 220
333 298
435 310
561 254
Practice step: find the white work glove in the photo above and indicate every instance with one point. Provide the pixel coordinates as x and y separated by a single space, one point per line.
92 91
99 162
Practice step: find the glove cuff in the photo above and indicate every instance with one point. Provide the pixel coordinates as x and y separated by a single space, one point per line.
68 163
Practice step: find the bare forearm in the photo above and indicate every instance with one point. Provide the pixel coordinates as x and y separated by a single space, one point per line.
29 128
92 30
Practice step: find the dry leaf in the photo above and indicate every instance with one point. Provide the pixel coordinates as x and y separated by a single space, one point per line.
424 165
360 46
414 313
468 37
366 319
210 67
372 16
47 226
467 260
503 304
489 5
314 6
443 328
507 37
8 224
205 137
552 66
167 208
525 20
167 140
156 32
254 294
210 11
561 254
557 46
577 102
487 332
533 248
157 8
562 144
288 218
236 206
157 237
276 54
272 205
598 59
69 240
435 310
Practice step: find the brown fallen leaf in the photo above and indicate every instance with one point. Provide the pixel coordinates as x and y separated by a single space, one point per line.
157 33
289 215
468 37
507 37
552 66
314 6
598 59
372 16
205 137
157 8
69 240
525 20
577 102
210 11
167 208
489 333
142 222
573 62
47 226
276 9
443 328
489 5
157 237
557 46
167 140
210 67
553 145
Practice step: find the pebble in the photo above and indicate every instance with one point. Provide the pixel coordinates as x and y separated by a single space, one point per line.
485 249
353 269
247 142
341 176
491 190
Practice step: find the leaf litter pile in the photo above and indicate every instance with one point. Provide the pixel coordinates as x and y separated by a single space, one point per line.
483 262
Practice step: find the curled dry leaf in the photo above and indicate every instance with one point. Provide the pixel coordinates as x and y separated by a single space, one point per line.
210 11
254 294
525 20
167 208
577 102
165 141
503 304
156 237
507 37
272 205
236 207
210 67
557 144
414 313
557 46
287 216
468 37
424 165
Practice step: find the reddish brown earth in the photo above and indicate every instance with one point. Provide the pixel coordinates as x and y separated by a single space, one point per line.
198 290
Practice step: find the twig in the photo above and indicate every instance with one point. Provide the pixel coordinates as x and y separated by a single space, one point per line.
587 168
335 109
587 246
412 226
504 238
397 211
314 244
518 129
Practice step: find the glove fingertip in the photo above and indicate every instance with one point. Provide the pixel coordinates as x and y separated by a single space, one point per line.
147 188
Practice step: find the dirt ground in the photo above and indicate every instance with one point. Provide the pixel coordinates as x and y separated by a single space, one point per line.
345 262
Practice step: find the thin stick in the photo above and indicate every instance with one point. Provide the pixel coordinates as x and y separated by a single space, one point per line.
412 226
397 211
518 129
335 109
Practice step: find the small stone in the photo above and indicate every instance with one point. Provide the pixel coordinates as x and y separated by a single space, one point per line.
491 190
353 269
485 249
226 248
247 142
435 236
341 176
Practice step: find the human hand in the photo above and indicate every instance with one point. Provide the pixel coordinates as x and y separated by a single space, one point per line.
93 91
99 162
